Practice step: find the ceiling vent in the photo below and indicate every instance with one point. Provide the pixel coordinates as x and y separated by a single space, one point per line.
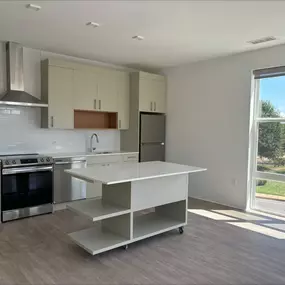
262 40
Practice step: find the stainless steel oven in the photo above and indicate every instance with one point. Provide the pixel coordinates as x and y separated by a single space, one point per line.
26 186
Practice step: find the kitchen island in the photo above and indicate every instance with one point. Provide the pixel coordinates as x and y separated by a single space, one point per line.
139 200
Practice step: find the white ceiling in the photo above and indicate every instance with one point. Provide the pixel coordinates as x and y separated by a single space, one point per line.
176 32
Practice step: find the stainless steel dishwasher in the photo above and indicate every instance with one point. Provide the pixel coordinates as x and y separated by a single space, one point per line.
65 187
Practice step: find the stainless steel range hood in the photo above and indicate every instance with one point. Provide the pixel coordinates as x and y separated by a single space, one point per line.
16 95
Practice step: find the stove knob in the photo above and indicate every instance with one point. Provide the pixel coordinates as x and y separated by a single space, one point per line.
14 161
42 160
7 162
48 159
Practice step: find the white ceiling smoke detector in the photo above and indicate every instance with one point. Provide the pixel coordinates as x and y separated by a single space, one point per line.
139 38
34 7
93 24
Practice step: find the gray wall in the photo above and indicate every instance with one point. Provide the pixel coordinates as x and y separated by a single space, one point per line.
208 121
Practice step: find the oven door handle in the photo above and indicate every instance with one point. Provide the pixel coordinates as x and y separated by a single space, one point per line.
26 170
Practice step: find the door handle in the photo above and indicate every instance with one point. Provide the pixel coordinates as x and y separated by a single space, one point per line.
95 104
27 170
151 106
119 124
51 121
99 104
154 106
70 162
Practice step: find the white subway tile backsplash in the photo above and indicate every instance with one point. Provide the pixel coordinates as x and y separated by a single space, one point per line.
20 132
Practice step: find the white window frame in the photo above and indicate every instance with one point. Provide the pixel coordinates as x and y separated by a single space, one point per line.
255 120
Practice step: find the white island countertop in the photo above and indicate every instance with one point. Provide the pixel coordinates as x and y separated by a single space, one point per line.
127 172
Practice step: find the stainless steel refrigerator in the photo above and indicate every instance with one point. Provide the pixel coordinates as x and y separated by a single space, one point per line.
152 137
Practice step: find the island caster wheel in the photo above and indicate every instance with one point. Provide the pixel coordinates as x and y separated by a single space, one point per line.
126 247
181 230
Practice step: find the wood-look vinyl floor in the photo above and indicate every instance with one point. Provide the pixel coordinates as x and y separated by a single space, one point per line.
38 251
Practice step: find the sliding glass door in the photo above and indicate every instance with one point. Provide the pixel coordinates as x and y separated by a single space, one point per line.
268 142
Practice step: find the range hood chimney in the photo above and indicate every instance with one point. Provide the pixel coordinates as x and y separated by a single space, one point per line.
16 95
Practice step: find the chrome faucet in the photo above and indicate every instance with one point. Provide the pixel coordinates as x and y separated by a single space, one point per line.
91 141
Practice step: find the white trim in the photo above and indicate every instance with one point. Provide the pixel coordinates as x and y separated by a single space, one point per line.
269 176
255 120
226 204
253 144
269 120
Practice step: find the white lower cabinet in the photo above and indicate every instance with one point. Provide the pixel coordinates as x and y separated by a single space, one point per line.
94 190
132 157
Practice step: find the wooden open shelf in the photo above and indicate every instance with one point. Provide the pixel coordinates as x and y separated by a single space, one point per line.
94 120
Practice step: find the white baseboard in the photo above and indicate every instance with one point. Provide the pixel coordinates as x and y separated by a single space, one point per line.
219 203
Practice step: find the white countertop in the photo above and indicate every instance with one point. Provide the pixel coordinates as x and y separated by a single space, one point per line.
78 154
127 172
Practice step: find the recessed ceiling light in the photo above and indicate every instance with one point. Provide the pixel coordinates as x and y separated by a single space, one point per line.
92 24
34 7
139 38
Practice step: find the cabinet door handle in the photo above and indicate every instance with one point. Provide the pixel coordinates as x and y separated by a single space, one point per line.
99 104
52 121
151 106
95 104
119 124
154 106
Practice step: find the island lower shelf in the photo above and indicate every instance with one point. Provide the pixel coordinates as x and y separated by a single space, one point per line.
106 234
95 240
151 224
120 230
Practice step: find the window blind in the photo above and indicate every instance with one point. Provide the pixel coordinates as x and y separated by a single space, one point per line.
269 72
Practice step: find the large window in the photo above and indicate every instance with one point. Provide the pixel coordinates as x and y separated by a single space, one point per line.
268 159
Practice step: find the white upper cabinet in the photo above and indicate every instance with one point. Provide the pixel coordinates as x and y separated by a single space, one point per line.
146 95
57 90
95 90
159 95
85 90
107 92
60 97
152 93
69 86
123 99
